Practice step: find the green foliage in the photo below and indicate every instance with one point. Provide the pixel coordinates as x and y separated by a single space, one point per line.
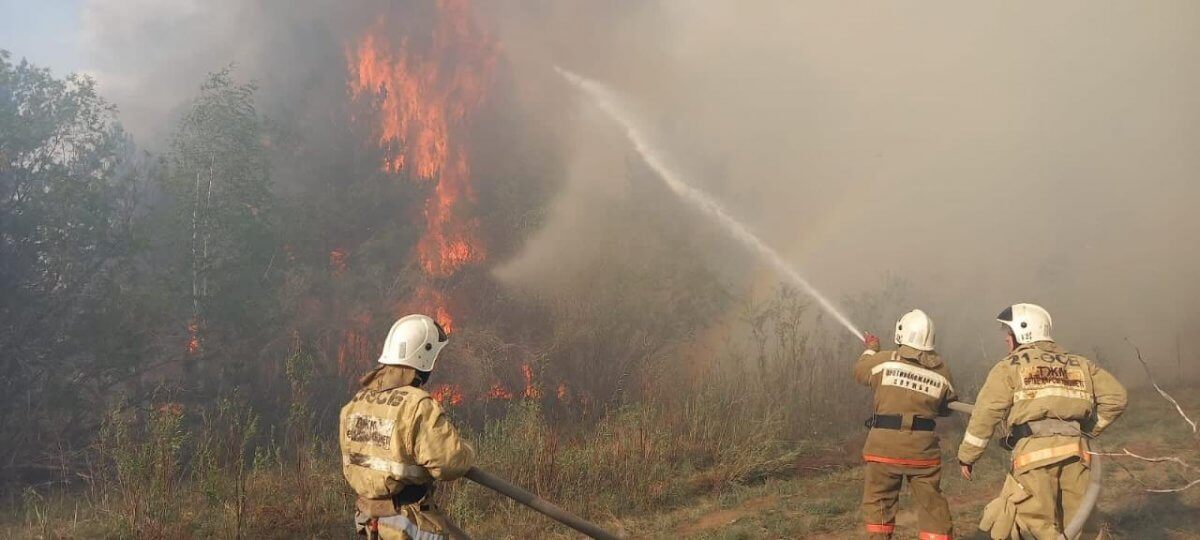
136 251
218 229
299 368
143 451
69 188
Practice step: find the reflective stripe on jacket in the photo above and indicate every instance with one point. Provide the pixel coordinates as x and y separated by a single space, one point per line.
1039 381
392 434
909 383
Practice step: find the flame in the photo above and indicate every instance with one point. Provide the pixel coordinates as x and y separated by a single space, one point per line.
448 394
450 242
532 391
498 392
193 342
421 100
433 303
563 393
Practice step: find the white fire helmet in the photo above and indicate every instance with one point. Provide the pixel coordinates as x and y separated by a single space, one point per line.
1028 322
915 329
414 341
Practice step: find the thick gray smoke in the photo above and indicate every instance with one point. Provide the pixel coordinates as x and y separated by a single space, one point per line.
986 154
150 56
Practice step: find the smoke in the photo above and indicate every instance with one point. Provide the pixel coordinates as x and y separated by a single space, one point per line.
987 154
610 103
149 56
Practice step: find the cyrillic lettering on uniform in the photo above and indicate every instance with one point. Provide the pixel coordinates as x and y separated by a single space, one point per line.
1039 381
371 430
910 377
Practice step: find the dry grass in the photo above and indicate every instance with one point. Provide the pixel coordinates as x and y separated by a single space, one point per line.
644 471
752 447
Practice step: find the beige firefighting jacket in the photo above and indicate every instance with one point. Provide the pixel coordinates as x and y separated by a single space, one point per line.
393 434
1040 381
910 383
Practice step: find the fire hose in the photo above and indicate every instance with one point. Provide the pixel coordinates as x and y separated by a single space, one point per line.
1075 526
547 508
490 481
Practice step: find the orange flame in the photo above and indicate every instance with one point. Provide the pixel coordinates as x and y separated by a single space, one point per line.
448 394
563 393
498 392
193 343
422 98
433 303
450 242
532 391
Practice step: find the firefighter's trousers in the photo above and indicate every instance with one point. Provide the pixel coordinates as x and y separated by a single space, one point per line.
414 522
1056 492
881 491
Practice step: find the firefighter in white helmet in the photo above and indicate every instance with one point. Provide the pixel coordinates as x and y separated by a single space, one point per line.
912 387
396 440
1050 401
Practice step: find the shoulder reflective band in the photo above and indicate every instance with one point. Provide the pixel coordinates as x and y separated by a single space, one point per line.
881 528
401 523
1047 453
975 441
903 462
411 473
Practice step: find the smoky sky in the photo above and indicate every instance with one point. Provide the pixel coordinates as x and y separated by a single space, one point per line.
984 153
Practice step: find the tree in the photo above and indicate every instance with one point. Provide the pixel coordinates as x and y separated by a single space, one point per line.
220 238
69 191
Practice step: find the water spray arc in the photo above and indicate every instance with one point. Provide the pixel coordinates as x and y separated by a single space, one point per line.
610 102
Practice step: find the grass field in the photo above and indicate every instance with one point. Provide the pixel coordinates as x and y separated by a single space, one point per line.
631 478
820 499
817 494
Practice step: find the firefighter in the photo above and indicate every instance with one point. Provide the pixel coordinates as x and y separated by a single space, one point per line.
1050 401
912 387
396 440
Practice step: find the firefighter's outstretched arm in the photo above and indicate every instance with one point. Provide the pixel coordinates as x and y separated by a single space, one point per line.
867 360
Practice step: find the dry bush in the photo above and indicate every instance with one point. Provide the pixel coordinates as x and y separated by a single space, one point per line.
761 406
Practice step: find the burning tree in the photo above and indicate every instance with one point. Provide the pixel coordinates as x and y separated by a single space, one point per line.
423 98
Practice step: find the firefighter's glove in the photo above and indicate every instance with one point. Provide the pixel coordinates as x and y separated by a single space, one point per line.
872 342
